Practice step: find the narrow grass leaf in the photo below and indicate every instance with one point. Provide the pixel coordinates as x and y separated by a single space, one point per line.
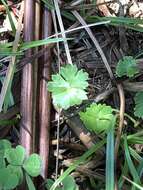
131 166
133 183
130 23
9 16
140 168
135 155
49 4
110 160
6 88
124 172
9 100
37 43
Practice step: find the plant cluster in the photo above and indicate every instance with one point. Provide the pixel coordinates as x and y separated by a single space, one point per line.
15 167
69 88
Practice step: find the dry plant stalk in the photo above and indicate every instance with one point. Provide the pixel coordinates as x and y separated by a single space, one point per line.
44 96
26 107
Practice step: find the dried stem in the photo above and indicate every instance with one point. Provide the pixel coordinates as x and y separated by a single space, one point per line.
120 127
63 31
44 96
27 81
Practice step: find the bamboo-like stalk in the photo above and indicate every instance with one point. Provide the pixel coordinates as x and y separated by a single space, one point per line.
44 96
26 107
35 77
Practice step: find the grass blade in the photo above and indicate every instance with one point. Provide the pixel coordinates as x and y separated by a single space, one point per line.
110 160
130 23
133 183
37 43
124 172
140 168
6 88
131 166
9 16
135 155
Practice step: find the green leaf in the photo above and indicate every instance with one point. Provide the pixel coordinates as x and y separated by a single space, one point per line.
2 160
135 155
15 156
49 4
33 165
30 183
123 172
36 43
127 67
16 170
138 110
130 23
131 166
133 183
98 118
49 184
110 160
8 179
68 87
4 145
9 16
69 183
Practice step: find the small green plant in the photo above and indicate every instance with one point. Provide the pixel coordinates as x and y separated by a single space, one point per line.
14 166
99 118
68 87
128 67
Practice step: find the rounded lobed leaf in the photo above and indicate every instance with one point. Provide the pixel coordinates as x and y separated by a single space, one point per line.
16 170
4 145
15 156
138 110
98 118
33 165
127 67
69 183
8 179
68 87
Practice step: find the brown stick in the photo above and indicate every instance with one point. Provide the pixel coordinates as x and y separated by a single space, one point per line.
44 97
27 81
